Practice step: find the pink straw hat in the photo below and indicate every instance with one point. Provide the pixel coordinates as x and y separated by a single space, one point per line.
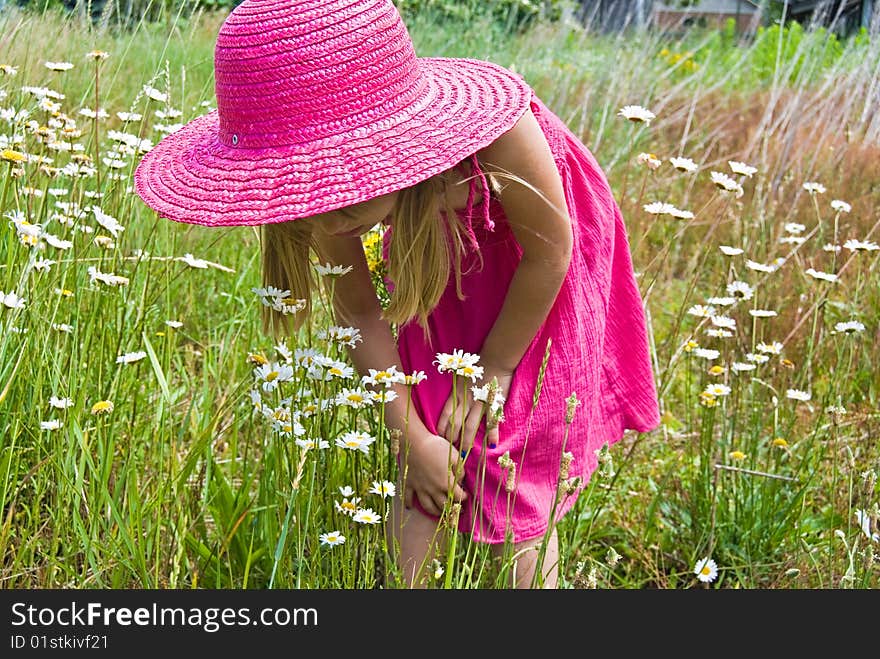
323 104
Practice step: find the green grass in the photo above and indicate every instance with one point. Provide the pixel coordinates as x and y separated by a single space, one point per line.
183 484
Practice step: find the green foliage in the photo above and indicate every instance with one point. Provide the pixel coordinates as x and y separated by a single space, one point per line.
510 14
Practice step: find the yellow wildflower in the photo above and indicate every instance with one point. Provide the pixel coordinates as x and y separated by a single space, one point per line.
102 407
12 156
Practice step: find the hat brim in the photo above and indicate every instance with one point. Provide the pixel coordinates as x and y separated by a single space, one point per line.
191 177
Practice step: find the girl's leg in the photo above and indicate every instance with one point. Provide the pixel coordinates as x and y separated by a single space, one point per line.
418 540
525 558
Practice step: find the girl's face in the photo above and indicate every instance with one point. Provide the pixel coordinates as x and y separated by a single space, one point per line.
355 220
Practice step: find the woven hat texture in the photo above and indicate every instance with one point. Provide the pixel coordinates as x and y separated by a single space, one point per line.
322 104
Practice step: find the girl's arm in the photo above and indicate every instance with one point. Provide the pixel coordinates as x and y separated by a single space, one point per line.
543 230
428 458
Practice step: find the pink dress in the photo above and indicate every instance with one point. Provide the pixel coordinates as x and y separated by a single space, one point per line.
599 351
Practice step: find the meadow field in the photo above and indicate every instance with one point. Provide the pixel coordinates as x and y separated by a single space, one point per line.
151 436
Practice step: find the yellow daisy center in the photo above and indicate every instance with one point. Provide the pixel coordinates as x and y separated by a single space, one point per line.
272 375
12 156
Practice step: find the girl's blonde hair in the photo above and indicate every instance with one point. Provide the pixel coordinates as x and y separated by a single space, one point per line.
421 254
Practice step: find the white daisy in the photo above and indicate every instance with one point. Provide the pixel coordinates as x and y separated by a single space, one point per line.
848 327
719 332
174 324
740 289
762 313
345 336
129 116
289 305
306 357
757 358
366 516
130 357
461 363
774 348
760 267
861 245
106 278
383 489
840 206
680 214
354 398
683 164
155 94
339 369
723 321
658 208
11 300
649 159
792 240
333 271
54 424
311 443
723 182
636 113
722 301
355 440
269 295
701 311
348 506
42 264
56 242
741 168
794 227
717 389
830 247
170 113
60 403
814 188
272 374
706 353
414 378
386 377
864 522
738 367
706 570
91 114
346 490
331 538
797 394
818 274
382 396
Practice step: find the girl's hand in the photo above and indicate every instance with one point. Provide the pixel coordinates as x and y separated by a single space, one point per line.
462 429
431 469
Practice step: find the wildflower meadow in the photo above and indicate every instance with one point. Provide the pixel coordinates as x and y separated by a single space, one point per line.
151 436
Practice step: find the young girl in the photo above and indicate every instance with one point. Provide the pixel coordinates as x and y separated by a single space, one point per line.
503 240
